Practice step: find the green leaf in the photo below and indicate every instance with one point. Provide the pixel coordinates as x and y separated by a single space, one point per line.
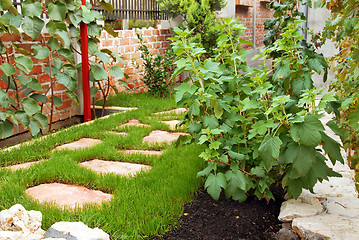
307 132
194 108
7 68
30 8
4 100
353 118
73 97
332 148
34 85
30 106
93 91
23 118
39 97
57 101
53 43
92 46
57 11
32 26
269 150
302 158
103 57
70 70
53 26
206 171
67 54
98 72
14 20
93 30
40 52
25 64
214 183
64 38
34 127
6 129
116 71
67 81
316 65
210 122
300 84
282 70
75 18
236 156
41 119
105 5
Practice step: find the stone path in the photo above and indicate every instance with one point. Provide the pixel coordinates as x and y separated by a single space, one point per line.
118 133
119 168
332 211
64 195
175 111
143 152
79 144
159 136
172 124
133 122
24 166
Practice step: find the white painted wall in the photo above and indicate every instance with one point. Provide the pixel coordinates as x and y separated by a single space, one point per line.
229 10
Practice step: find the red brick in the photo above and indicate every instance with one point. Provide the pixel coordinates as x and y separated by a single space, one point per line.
124 41
6 37
44 78
107 43
129 33
36 70
129 71
27 38
59 87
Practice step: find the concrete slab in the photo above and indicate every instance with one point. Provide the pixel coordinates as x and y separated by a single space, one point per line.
118 168
79 144
143 152
133 122
65 195
23 166
159 136
175 111
172 124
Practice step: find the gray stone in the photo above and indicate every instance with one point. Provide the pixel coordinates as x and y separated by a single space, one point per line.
335 187
326 226
304 206
75 231
344 206
286 233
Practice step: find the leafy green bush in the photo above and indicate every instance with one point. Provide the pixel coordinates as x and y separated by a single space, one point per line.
260 128
158 69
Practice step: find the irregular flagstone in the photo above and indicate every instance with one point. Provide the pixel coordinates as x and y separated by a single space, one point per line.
64 195
344 206
118 133
22 165
134 122
176 111
75 231
326 226
120 168
17 223
159 136
335 187
79 144
304 206
144 152
172 124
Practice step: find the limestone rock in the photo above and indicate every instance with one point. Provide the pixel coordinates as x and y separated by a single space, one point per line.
304 206
75 231
343 206
326 226
335 187
17 223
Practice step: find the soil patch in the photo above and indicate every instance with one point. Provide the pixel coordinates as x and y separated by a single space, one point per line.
208 219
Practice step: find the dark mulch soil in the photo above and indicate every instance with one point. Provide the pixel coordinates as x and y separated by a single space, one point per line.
208 219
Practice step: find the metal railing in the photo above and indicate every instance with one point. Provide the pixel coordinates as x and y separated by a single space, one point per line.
134 9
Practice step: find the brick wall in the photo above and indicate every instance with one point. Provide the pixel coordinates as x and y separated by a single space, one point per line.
126 44
245 13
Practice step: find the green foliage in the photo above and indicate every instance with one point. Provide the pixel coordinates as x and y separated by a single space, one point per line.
260 127
141 23
157 69
23 99
341 29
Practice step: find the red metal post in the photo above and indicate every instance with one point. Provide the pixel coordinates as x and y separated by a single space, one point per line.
85 70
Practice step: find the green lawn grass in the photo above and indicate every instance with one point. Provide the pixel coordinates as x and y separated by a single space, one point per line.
145 205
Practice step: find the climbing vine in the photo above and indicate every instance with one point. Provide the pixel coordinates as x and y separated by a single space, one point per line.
22 98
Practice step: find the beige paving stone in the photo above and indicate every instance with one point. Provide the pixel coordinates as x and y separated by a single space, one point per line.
22 165
79 144
118 133
176 111
159 136
343 206
326 226
134 122
172 124
65 195
119 168
143 152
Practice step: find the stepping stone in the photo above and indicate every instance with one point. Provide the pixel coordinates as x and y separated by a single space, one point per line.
172 124
64 195
79 144
176 111
118 133
159 136
133 122
119 168
143 152
22 165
